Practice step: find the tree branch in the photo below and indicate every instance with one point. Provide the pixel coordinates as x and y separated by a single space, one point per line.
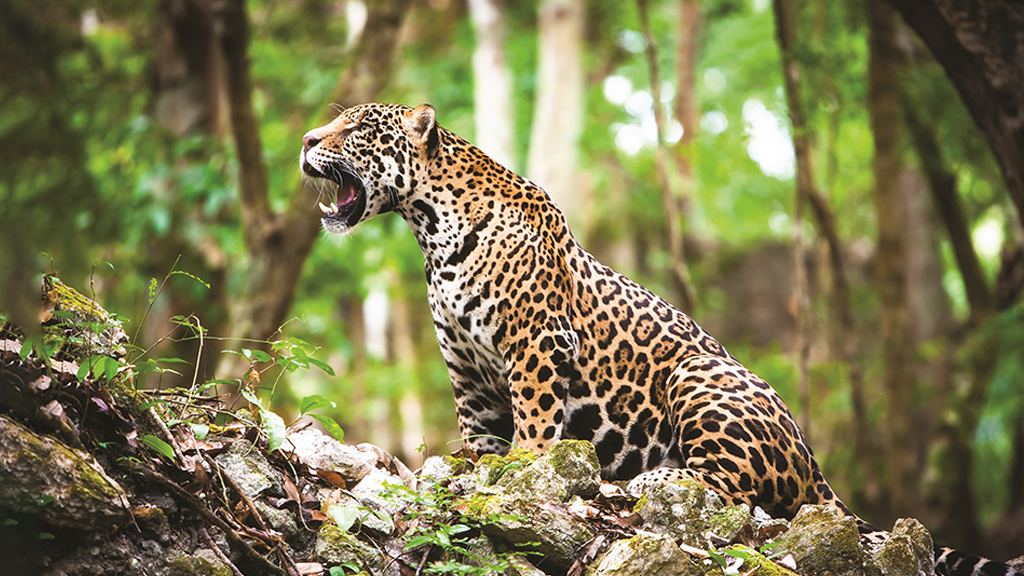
252 172
978 45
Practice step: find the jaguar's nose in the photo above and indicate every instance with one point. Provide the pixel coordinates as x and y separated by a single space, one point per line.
308 141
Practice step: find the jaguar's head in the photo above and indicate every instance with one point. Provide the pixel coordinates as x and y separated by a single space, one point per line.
375 153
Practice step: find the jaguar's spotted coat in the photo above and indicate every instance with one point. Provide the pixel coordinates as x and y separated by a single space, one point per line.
544 342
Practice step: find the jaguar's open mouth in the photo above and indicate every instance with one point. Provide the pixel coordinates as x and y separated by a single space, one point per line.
349 199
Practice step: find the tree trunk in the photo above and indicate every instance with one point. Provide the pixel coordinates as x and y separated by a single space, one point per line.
942 184
492 82
897 380
409 413
279 242
685 297
686 109
785 33
978 44
351 309
189 85
558 113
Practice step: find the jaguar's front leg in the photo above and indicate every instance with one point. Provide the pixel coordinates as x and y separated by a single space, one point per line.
539 371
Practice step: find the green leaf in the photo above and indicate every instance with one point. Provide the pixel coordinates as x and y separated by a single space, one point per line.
192 276
718 558
158 445
273 425
250 396
111 369
345 515
256 355
315 402
322 365
738 553
330 425
26 349
200 430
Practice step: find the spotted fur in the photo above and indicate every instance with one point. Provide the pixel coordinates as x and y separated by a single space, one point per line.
544 342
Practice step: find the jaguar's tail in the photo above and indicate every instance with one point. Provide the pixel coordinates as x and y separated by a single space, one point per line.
950 562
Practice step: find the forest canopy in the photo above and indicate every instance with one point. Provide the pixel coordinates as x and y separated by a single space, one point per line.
805 178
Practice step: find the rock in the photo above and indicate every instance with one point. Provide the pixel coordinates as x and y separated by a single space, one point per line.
491 468
334 547
727 523
646 553
683 510
569 468
65 487
249 468
281 521
823 541
438 468
88 331
202 563
907 552
365 517
485 554
381 491
520 519
322 452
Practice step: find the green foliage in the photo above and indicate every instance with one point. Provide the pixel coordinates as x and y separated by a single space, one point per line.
439 530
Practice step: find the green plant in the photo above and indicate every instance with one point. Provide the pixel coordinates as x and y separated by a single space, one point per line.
439 531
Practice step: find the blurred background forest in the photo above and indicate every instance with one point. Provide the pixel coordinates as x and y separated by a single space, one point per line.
846 229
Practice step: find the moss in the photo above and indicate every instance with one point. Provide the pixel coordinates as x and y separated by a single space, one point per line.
333 546
491 467
458 465
728 521
566 455
764 567
179 564
89 330
824 541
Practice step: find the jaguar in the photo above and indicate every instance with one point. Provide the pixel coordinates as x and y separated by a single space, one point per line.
544 342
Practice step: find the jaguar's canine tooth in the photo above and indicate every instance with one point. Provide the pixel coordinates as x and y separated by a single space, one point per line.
323 208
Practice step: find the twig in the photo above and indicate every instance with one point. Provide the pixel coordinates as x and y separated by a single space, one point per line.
277 542
193 503
220 553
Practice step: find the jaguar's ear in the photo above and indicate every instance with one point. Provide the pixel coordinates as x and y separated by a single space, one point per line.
421 123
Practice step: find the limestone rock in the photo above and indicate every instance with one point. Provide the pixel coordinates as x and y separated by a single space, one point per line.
682 509
64 486
907 552
322 452
521 519
569 468
249 468
823 540
334 547
646 553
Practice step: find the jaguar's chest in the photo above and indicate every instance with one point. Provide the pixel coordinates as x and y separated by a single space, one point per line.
466 316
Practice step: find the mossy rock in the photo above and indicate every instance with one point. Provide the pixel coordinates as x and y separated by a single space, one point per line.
570 468
81 327
491 468
823 541
907 552
684 509
646 553
335 547
201 564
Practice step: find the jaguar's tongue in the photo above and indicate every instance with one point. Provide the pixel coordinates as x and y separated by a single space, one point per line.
346 191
